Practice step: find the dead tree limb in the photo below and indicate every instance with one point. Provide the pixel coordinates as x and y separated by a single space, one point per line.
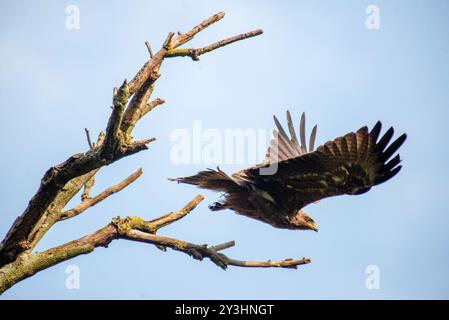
63 181
88 202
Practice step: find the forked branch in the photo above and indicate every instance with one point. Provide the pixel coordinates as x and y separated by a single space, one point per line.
195 53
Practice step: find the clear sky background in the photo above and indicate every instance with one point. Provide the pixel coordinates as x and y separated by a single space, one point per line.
315 56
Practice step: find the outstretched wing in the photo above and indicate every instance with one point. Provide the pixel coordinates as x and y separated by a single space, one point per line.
351 164
282 147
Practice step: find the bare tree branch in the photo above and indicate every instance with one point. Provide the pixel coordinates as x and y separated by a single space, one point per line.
90 202
287 263
200 252
223 246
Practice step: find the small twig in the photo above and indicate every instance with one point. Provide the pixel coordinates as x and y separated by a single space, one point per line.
167 43
90 202
90 183
150 51
87 187
100 139
89 141
150 106
139 145
223 246
288 263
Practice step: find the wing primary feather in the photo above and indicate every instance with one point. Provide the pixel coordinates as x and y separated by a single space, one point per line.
312 139
285 145
388 175
280 129
352 146
375 131
363 130
362 151
383 142
394 147
276 147
294 139
344 148
392 163
302 132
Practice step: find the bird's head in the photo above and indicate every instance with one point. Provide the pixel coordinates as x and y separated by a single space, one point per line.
302 221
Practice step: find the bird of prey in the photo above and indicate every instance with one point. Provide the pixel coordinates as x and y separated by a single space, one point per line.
293 176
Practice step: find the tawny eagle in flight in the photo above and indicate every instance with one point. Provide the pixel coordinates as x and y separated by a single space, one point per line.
293 176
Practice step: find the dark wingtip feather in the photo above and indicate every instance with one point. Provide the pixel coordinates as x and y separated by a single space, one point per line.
387 176
394 147
403 136
392 163
376 130
385 139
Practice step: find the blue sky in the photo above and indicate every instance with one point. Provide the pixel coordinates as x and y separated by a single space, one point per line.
315 56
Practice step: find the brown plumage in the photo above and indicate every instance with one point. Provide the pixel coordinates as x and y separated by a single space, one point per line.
293 176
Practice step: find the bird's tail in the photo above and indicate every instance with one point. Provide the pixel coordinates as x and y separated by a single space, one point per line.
211 179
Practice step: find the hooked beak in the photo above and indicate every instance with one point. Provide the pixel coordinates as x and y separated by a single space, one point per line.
314 227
